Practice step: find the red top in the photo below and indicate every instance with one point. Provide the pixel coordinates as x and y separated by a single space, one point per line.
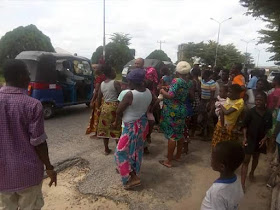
99 79
273 99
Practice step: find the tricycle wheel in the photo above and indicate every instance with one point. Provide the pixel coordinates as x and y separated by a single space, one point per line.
48 111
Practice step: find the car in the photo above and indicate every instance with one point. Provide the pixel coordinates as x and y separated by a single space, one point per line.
58 80
272 75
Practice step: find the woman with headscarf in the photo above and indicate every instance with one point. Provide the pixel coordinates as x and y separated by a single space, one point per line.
132 109
99 78
174 112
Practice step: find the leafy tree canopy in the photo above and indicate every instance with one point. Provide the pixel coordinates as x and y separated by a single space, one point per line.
121 38
117 55
269 11
23 39
160 55
227 54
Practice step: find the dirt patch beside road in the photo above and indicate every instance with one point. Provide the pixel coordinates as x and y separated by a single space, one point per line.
66 195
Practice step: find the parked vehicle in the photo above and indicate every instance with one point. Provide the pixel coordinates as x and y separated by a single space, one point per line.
272 75
157 64
58 80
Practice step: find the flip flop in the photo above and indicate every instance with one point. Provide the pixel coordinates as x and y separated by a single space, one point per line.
129 186
164 164
107 153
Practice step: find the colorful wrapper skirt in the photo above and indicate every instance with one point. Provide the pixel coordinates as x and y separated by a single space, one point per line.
106 118
129 151
93 121
229 135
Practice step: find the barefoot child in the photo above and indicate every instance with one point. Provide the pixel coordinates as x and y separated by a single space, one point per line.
165 80
109 90
221 99
229 114
226 192
257 123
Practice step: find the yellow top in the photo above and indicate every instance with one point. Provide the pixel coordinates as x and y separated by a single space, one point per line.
237 104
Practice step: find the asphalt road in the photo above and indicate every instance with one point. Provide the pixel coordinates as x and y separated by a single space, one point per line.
182 187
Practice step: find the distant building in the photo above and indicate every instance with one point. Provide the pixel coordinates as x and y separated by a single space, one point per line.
180 53
62 51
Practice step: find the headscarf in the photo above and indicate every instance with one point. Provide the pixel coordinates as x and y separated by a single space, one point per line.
183 67
136 76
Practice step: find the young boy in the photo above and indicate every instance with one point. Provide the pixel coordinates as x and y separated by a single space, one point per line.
226 192
257 123
208 88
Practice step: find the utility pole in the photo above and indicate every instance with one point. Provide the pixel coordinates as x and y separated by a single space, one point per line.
160 43
218 39
247 42
104 35
258 56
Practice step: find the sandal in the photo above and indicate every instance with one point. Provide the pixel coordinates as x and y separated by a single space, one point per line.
131 184
107 152
162 162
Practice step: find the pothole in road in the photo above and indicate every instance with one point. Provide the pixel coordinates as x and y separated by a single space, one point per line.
66 196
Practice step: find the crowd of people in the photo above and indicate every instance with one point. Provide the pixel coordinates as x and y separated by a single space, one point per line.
234 110
239 114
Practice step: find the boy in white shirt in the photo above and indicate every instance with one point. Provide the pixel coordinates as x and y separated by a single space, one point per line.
226 192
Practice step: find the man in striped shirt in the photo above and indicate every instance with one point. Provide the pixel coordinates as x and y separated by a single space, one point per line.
208 88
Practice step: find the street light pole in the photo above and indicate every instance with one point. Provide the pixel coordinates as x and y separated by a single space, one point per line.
218 39
258 56
104 38
247 42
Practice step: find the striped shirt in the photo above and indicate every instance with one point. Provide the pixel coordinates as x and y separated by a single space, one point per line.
207 88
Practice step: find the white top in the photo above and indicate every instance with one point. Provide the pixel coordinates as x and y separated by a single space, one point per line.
251 99
120 98
223 195
139 106
109 91
217 91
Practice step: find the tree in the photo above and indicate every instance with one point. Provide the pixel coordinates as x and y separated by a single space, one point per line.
227 54
117 55
121 38
23 39
159 54
269 11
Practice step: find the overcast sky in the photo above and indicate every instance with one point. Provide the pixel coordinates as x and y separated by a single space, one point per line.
76 25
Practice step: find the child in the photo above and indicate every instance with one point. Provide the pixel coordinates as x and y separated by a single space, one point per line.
109 90
226 192
208 88
166 77
229 114
257 123
221 99
165 81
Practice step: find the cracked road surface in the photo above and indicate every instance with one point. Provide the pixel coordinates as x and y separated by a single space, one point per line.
182 187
